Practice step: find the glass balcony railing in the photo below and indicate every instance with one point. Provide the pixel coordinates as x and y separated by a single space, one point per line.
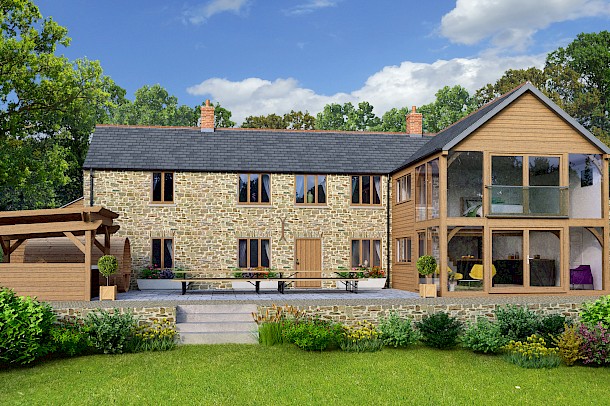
528 201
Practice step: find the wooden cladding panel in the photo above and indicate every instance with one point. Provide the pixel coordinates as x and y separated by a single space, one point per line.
308 257
527 126
45 281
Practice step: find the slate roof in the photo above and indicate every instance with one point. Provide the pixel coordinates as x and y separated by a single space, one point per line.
237 150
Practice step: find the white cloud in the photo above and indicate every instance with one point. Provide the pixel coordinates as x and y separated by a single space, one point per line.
408 84
311 6
512 23
199 14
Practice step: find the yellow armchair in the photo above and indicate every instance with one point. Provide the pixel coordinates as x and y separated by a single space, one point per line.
477 271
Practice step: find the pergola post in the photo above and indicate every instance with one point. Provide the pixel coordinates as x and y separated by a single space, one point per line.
88 249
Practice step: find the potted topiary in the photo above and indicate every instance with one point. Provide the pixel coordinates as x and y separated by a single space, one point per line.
108 265
426 266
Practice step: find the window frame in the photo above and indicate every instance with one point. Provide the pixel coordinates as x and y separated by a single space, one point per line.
260 188
407 180
316 191
372 186
152 188
371 252
162 253
404 248
260 252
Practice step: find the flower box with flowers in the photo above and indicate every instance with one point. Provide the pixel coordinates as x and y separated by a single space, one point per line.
254 273
369 278
153 278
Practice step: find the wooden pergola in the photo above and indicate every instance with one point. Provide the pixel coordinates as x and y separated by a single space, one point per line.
48 281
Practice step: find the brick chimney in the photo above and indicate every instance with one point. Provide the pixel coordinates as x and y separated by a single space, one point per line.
414 122
207 118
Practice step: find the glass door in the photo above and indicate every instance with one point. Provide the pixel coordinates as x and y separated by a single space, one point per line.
526 259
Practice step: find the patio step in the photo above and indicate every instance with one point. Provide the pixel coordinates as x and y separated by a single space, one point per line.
216 324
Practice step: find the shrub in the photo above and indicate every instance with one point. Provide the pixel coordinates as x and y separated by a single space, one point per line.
484 336
107 265
426 265
517 323
596 312
274 321
595 347
110 333
361 337
551 326
532 353
25 326
313 334
440 330
158 336
569 344
397 332
69 339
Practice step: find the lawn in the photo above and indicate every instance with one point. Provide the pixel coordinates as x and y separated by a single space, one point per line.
285 375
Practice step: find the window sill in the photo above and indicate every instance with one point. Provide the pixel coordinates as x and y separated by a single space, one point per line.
162 205
255 206
367 206
311 206
403 202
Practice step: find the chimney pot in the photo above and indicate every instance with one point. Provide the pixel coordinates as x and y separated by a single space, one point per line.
207 118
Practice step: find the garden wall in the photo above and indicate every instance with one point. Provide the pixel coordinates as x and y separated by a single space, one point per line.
146 315
351 314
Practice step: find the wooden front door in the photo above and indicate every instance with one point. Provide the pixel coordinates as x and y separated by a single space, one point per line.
308 261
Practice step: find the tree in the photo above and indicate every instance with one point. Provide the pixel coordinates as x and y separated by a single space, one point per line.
346 117
40 93
394 120
222 116
296 120
153 105
451 104
511 79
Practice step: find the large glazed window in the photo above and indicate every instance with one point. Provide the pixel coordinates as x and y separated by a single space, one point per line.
585 174
465 184
254 188
465 258
403 188
544 192
434 189
420 193
586 258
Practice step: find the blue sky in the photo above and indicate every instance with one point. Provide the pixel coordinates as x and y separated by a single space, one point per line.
271 56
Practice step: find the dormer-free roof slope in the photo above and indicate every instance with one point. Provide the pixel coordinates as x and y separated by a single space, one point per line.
239 150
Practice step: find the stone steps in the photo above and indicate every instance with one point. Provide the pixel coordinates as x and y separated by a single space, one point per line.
216 324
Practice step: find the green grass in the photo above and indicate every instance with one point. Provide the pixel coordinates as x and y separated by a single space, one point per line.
285 375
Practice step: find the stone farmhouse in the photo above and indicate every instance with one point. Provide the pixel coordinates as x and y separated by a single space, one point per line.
512 199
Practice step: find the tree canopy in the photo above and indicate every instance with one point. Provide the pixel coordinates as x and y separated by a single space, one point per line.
44 97
295 120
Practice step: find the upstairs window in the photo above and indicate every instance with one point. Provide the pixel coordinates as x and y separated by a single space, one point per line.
254 252
163 187
163 252
403 188
366 190
310 189
254 188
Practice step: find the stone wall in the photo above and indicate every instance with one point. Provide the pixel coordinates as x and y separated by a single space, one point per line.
351 314
145 315
206 220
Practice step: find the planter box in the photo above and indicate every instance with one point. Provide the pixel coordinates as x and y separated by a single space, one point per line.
158 284
108 292
366 284
427 290
266 285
